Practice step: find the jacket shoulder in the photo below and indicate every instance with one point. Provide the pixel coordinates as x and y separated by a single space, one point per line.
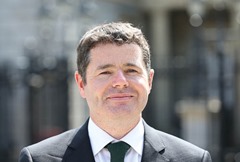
175 148
181 148
50 148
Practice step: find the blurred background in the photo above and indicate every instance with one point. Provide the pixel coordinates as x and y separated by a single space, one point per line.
195 54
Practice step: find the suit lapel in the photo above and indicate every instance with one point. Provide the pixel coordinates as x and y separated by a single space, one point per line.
80 147
154 147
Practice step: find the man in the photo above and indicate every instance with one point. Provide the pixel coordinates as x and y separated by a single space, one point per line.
115 77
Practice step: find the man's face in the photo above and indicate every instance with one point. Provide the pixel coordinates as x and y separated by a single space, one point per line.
118 84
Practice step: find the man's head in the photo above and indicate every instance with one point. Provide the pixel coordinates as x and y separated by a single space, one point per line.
114 76
116 33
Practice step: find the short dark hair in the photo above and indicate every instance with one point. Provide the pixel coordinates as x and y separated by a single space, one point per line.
118 33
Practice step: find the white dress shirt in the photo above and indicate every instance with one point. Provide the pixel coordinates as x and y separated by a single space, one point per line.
99 139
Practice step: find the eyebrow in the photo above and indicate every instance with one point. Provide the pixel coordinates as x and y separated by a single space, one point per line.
102 67
130 65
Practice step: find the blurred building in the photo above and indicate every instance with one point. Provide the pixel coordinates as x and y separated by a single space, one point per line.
195 54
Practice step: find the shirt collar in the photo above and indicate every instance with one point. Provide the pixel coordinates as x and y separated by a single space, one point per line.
135 137
99 138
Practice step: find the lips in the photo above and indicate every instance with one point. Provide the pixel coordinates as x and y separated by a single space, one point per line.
120 97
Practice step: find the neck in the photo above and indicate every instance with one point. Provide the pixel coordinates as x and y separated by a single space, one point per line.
116 128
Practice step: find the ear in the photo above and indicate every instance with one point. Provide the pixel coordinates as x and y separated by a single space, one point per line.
151 75
80 84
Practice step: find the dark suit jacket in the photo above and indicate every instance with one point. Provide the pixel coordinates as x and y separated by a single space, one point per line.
74 146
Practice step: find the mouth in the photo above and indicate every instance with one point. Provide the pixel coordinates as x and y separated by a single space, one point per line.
120 97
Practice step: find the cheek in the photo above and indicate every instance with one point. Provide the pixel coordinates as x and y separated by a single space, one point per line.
98 85
97 88
143 84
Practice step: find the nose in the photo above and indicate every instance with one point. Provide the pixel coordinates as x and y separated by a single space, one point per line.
119 80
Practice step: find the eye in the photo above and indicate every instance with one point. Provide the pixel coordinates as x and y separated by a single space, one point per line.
105 73
131 71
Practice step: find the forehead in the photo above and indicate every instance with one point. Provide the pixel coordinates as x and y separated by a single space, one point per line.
116 54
